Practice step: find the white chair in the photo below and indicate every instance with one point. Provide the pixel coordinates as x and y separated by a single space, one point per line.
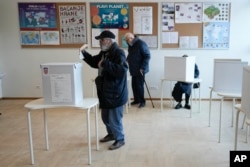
226 81
232 96
246 121
244 107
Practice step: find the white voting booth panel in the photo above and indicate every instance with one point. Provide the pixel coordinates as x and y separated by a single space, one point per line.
179 68
62 83
228 75
245 105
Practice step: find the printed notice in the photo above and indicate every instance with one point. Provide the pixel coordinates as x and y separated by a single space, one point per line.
61 88
143 20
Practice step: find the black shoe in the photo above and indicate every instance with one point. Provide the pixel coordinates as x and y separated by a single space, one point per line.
141 105
178 106
107 138
134 103
116 145
187 106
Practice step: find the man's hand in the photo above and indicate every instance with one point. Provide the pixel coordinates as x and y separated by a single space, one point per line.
82 49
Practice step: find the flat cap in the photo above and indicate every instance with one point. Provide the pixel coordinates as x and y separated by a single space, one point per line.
106 34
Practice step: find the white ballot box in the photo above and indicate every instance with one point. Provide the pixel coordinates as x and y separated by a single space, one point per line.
179 68
62 83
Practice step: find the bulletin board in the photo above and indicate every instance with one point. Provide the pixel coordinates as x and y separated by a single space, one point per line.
97 17
188 30
52 25
195 25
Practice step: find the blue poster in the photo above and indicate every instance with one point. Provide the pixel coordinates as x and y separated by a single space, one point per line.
37 15
30 38
216 35
109 15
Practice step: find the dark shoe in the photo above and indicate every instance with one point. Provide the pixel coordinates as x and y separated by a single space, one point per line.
116 145
134 103
178 106
107 138
187 106
141 105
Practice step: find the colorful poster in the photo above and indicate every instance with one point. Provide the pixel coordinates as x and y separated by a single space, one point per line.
50 38
30 37
216 35
109 15
188 12
37 15
216 12
72 24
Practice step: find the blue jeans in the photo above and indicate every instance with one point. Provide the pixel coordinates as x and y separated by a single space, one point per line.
112 118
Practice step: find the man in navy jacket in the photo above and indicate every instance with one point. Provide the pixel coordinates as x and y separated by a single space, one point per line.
138 61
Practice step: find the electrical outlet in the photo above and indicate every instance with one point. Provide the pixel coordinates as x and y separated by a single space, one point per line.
153 87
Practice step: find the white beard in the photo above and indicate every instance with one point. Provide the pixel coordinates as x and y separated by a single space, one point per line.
105 47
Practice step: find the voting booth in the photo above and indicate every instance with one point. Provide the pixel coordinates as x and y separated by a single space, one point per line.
228 75
62 83
245 105
179 68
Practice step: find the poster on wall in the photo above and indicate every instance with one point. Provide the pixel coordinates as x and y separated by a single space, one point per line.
109 15
30 37
72 24
188 12
49 37
143 19
167 16
37 15
216 12
216 35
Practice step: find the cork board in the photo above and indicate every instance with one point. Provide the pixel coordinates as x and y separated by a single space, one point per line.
190 29
131 21
52 25
99 12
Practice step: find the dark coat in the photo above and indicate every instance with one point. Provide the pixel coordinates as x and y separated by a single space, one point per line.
138 57
112 88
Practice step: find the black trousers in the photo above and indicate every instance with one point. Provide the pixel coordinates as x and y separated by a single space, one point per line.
179 89
138 88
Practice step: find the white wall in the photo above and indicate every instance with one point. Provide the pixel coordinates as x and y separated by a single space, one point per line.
22 66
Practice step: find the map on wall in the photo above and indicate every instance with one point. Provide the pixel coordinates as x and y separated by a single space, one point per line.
30 37
37 15
216 35
216 12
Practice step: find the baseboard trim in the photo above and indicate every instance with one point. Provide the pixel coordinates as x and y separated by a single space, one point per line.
154 99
